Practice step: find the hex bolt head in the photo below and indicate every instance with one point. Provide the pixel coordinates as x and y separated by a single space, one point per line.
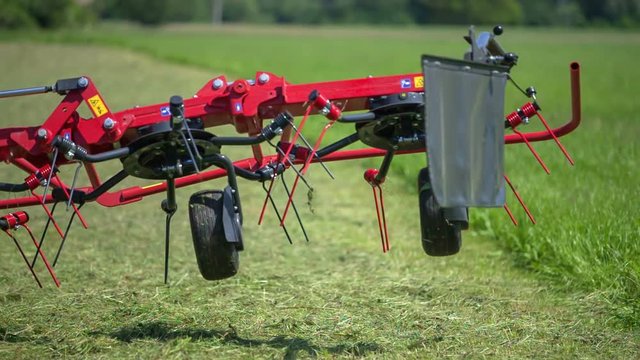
263 78
108 124
83 82
217 84
41 134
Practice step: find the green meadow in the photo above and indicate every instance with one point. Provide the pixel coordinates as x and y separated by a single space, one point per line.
566 287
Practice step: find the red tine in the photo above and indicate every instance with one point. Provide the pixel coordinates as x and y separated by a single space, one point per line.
264 206
371 177
513 219
384 220
44 258
533 151
48 212
297 134
375 199
555 138
15 241
305 168
282 161
515 192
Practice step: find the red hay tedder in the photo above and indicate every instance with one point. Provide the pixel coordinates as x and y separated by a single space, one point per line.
453 110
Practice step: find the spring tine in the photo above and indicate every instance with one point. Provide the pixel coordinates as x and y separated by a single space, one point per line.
533 151
53 169
298 173
44 258
15 241
46 210
193 141
295 210
298 131
73 184
375 199
306 167
264 205
304 140
513 219
44 233
555 138
64 239
186 144
515 192
275 208
384 219
167 237
75 208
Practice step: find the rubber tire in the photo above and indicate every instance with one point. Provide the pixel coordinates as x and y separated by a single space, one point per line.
439 237
217 258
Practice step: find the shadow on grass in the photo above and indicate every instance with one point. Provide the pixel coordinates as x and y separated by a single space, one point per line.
292 345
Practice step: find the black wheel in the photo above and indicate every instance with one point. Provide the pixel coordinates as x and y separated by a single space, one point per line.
217 258
439 236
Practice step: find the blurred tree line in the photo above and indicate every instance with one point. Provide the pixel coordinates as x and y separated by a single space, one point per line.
58 13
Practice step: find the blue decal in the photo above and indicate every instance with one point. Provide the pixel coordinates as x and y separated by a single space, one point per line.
164 111
405 83
238 107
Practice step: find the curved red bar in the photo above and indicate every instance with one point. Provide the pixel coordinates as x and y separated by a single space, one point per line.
576 114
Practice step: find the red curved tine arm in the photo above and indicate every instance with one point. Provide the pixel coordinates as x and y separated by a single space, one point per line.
576 114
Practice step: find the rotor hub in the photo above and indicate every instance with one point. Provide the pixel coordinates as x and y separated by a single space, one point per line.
162 153
399 123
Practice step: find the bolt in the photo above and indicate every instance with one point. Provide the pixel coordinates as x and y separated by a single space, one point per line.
83 82
108 124
263 78
42 133
217 84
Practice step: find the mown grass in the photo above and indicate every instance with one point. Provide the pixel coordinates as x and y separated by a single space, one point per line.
334 297
588 220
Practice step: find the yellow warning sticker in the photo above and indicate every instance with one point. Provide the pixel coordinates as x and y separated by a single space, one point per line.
97 106
418 82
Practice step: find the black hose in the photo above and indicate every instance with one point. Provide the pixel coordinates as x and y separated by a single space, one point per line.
78 152
6 187
358 118
344 142
279 122
107 155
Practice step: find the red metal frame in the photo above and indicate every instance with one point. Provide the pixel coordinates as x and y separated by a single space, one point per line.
245 104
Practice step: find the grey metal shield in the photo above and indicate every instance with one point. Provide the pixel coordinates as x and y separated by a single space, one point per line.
464 120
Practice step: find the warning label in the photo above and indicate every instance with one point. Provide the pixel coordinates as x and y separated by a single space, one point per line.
97 106
418 82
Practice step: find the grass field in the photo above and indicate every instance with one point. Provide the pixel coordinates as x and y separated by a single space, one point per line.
337 296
